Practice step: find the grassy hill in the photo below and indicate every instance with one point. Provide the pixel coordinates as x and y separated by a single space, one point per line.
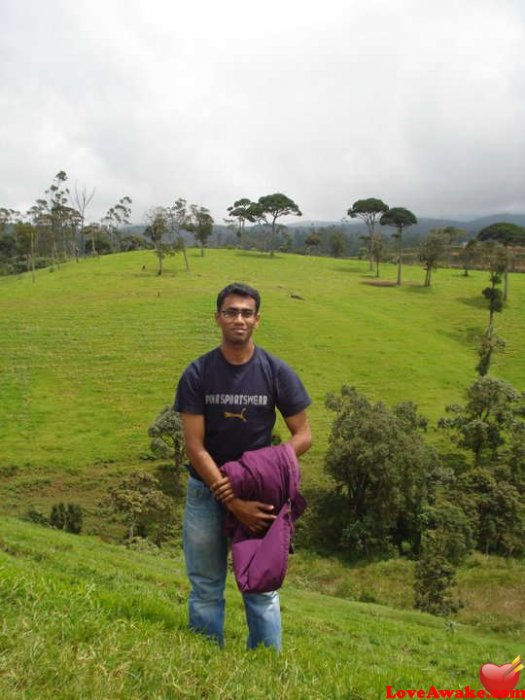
88 357
90 353
83 619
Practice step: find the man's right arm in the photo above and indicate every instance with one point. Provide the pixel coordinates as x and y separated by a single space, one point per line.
255 516
200 458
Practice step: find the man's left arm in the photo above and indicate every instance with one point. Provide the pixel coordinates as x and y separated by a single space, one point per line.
301 435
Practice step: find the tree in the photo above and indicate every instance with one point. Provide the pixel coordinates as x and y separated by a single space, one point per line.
508 235
498 507
7 252
178 221
400 219
276 205
452 234
131 241
64 219
434 580
55 220
380 463
167 438
468 255
337 244
56 205
39 216
447 527
146 509
312 241
27 233
479 426
116 216
156 230
82 200
287 239
7 219
370 211
431 249
200 224
244 210
489 344
377 248
98 239
492 490
495 259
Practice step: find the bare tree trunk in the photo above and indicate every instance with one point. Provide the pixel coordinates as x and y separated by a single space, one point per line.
182 245
54 253
272 235
186 261
32 256
399 259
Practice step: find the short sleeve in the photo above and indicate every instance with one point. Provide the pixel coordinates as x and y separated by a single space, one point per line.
292 397
189 397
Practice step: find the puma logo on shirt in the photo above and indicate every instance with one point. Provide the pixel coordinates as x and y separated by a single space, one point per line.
240 415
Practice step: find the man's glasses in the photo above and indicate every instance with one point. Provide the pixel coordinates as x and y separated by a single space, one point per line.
232 312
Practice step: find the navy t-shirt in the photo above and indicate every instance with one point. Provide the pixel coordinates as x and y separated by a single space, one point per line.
238 402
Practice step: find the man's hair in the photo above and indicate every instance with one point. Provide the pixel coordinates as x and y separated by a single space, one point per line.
241 290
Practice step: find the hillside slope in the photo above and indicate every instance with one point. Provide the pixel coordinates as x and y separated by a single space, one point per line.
86 620
91 353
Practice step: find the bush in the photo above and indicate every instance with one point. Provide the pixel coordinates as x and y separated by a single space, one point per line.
383 471
34 515
434 578
167 439
147 511
67 518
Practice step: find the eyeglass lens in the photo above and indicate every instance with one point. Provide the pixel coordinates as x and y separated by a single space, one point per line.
232 312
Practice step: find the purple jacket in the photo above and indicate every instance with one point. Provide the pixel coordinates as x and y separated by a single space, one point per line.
270 475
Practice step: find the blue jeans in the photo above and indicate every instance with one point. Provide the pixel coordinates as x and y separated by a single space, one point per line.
206 551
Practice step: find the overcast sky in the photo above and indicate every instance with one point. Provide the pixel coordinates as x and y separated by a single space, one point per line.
418 102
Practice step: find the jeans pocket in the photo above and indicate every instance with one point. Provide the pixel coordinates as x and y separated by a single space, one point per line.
198 493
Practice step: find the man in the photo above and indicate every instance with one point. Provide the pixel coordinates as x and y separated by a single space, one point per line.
227 399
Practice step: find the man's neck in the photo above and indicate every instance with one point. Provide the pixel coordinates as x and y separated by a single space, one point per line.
237 354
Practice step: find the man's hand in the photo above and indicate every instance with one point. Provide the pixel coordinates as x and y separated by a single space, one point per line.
222 490
254 515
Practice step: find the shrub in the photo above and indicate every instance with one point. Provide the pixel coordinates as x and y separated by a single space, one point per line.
434 578
36 516
67 518
167 437
383 470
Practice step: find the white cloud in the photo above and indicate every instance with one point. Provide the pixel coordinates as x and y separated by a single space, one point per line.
421 104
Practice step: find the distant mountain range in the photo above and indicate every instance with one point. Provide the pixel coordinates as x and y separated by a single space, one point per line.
424 224
357 227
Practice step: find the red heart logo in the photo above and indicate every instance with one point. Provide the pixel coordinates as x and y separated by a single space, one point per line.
498 680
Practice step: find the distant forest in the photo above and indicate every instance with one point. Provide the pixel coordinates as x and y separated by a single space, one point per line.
58 227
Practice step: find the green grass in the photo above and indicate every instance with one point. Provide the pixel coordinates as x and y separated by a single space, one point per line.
489 589
91 352
86 620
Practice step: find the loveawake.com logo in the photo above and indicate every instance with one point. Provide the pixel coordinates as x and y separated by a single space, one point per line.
499 682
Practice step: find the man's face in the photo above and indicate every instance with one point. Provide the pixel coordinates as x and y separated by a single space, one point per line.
237 319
